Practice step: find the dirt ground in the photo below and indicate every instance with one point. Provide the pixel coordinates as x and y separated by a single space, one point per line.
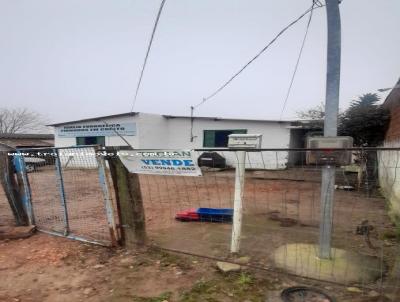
46 268
279 207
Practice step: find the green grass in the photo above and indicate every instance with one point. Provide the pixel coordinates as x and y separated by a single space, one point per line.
233 287
160 298
245 280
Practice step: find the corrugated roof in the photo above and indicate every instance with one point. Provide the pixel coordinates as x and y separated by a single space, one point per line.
26 136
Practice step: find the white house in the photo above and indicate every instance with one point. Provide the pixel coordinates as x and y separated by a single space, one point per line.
153 131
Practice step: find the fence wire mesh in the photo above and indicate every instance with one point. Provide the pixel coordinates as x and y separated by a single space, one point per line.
281 211
67 196
281 215
45 190
6 215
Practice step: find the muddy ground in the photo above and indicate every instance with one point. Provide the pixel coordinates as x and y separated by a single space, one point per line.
45 268
279 207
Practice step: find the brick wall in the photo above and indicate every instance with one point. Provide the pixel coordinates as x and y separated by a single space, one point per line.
392 103
393 132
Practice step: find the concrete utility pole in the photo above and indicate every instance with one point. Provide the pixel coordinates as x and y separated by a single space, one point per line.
330 124
238 201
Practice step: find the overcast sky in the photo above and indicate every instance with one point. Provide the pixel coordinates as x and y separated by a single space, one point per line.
81 58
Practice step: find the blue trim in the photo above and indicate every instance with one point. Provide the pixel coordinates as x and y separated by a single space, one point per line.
18 162
20 167
60 182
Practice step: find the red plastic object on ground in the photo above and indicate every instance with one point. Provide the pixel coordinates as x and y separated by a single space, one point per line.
189 215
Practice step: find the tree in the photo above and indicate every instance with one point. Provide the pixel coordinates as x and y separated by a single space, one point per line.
21 120
315 113
365 121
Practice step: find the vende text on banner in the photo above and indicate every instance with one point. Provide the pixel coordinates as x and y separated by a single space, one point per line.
164 162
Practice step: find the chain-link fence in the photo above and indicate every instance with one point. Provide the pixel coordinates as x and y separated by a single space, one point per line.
281 209
281 214
6 215
70 193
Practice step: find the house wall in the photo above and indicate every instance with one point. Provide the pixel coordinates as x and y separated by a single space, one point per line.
274 135
109 140
152 131
393 132
389 177
389 161
85 157
158 132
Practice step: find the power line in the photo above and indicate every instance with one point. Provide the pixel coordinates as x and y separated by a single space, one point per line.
258 54
147 53
298 59
115 131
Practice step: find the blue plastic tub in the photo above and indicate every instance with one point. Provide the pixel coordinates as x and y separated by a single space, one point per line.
215 215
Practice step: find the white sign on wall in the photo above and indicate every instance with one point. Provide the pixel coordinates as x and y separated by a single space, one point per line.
97 129
161 162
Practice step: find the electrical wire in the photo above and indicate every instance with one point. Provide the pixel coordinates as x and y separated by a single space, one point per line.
258 54
298 60
115 131
147 53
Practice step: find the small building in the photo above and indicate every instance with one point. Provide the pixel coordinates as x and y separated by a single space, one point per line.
154 131
22 140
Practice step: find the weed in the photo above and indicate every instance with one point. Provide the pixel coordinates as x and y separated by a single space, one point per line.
244 280
231 287
160 298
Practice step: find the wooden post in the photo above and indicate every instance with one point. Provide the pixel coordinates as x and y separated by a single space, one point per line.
107 198
129 204
11 188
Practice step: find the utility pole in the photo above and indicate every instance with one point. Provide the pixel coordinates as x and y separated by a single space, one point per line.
330 124
238 201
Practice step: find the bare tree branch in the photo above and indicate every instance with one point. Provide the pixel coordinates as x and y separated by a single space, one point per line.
21 120
315 113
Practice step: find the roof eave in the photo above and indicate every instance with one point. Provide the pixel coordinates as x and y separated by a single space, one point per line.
94 119
225 119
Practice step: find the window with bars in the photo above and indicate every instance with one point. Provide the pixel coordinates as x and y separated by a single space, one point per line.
91 140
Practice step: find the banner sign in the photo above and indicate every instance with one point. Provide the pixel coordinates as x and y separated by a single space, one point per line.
97 129
161 162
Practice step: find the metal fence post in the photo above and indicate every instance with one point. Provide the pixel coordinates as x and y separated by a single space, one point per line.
238 201
327 200
26 194
330 124
60 183
107 199
12 188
